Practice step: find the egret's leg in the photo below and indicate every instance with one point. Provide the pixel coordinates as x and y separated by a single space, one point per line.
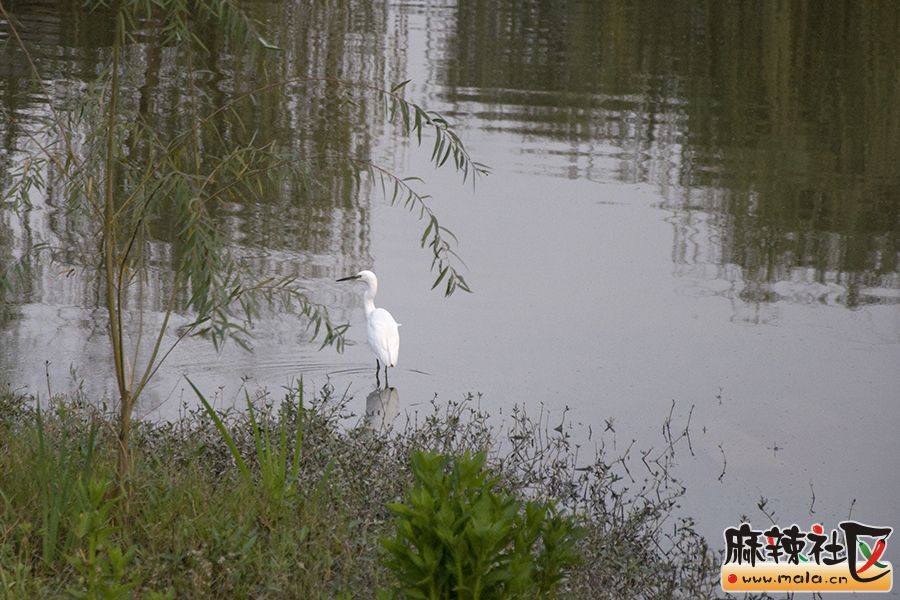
386 384
378 373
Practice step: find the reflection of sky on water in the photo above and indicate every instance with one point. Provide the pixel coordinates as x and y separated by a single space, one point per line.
688 282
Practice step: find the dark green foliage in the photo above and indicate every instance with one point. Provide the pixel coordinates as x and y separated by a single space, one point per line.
456 537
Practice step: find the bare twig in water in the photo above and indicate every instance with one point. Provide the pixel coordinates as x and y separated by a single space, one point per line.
667 428
47 375
687 430
762 505
813 501
850 512
724 462
624 458
667 431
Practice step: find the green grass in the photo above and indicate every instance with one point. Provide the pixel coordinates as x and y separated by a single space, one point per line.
293 503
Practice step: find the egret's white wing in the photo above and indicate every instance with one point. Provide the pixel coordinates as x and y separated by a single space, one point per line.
384 336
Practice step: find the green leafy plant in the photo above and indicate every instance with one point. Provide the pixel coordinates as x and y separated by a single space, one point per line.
102 566
456 537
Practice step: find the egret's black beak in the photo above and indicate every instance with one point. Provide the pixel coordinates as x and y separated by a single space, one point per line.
351 278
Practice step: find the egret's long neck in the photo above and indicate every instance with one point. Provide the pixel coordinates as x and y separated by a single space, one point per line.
369 299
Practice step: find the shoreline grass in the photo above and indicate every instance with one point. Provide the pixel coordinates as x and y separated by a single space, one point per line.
194 525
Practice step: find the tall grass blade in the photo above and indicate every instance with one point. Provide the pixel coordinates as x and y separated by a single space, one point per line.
298 435
223 431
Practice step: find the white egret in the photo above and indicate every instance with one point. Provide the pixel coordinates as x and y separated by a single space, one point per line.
382 330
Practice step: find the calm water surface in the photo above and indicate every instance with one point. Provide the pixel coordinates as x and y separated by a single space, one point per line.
697 202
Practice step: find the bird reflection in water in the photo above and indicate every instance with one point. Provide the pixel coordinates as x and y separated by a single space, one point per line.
382 407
